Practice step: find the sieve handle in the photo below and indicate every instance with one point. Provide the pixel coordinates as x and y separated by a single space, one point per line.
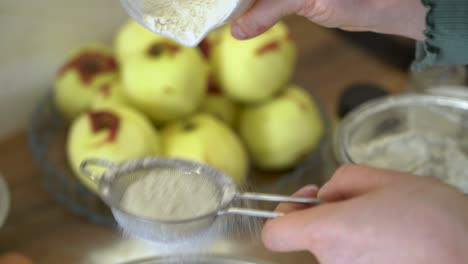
84 168
277 198
251 212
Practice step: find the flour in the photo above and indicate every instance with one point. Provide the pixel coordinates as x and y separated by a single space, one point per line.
419 153
168 195
186 20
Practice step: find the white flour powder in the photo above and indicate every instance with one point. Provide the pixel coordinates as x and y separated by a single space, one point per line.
169 195
418 153
166 195
185 20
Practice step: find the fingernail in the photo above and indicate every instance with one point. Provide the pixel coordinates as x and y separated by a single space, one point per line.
310 188
238 32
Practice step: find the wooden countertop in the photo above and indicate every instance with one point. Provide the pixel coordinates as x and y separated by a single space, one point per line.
47 232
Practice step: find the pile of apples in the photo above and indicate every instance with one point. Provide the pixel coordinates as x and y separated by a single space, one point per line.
227 103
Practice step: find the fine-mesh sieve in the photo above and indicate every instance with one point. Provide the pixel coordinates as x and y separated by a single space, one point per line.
117 178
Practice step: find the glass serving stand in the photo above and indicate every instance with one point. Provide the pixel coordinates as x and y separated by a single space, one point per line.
47 132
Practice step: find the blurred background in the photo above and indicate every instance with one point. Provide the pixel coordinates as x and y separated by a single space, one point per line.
51 218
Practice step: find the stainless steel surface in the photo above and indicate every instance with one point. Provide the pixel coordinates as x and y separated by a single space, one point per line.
118 177
199 259
122 250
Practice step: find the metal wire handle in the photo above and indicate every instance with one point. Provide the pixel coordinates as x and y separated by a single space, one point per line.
84 168
277 198
268 198
250 212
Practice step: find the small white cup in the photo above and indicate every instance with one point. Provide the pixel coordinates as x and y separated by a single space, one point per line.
135 9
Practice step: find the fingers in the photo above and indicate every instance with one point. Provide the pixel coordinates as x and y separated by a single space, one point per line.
262 16
352 180
299 230
287 233
307 191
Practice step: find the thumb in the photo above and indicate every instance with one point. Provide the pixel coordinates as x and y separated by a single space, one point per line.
263 15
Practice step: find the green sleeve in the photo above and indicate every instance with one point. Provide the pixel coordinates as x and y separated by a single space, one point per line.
446 34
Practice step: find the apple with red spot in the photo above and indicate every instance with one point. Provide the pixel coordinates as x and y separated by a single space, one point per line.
204 138
216 102
281 132
254 70
166 81
109 93
112 133
81 78
219 105
210 42
132 40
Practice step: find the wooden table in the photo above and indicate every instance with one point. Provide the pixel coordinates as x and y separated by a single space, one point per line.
45 231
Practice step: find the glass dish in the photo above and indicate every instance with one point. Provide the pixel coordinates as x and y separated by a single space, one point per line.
439 75
394 116
47 136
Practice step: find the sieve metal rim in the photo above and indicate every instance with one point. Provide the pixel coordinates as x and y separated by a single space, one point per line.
114 170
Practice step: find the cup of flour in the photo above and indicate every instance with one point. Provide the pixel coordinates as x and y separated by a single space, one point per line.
185 21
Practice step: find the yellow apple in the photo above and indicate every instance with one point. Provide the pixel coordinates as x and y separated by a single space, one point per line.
254 70
132 40
166 81
216 102
109 93
280 132
204 138
219 105
115 133
211 41
81 77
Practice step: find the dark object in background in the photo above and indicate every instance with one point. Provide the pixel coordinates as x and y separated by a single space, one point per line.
357 94
396 51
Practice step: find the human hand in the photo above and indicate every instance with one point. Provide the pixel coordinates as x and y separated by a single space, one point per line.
399 17
14 258
376 216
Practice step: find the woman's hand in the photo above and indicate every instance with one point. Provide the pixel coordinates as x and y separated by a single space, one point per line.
376 216
399 17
